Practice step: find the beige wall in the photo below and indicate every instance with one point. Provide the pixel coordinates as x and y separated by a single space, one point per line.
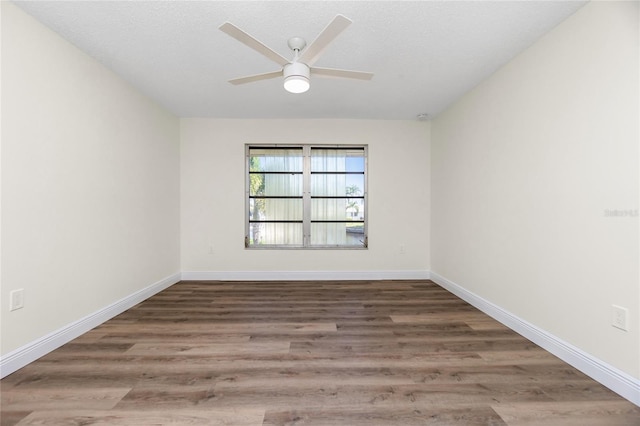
90 184
212 205
525 167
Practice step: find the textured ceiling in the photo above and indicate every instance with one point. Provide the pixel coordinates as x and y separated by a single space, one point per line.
425 54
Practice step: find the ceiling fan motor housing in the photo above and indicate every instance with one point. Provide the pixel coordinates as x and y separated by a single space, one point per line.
296 69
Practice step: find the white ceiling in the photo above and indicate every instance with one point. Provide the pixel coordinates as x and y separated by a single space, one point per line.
425 54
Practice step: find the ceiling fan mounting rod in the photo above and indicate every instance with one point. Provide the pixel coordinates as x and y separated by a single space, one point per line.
296 74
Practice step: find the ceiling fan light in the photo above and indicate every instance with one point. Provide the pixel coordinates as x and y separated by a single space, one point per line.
296 84
296 77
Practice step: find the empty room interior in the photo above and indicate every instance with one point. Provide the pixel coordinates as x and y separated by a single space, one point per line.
463 246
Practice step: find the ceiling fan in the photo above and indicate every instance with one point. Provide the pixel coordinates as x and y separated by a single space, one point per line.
297 72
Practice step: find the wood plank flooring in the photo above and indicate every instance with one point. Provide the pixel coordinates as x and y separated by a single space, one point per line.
306 353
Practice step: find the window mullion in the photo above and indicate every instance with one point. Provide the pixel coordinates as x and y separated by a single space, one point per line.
247 198
306 195
365 193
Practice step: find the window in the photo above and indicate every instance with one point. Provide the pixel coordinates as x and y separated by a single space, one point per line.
306 196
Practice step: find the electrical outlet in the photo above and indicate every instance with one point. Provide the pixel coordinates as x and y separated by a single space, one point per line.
619 317
16 299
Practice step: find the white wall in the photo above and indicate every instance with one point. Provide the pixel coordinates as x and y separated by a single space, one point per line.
524 168
90 184
212 205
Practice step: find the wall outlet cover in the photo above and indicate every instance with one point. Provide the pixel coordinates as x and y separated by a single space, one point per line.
620 317
16 299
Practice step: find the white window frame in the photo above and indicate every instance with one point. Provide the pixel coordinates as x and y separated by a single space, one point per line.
306 197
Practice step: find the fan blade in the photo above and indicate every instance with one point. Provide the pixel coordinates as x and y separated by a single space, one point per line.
257 77
314 50
248 40
337 73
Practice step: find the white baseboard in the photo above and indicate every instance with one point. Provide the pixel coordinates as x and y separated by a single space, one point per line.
28 353
618 381
303 275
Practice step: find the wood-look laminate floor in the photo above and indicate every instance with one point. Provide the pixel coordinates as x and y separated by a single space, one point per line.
306 353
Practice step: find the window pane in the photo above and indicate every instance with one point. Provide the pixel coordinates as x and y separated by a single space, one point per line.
337 160
275 160
275 209
341 234
355 209
275 233
355 234
327 160
337 185
330 209
281 185
355 163
275 185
